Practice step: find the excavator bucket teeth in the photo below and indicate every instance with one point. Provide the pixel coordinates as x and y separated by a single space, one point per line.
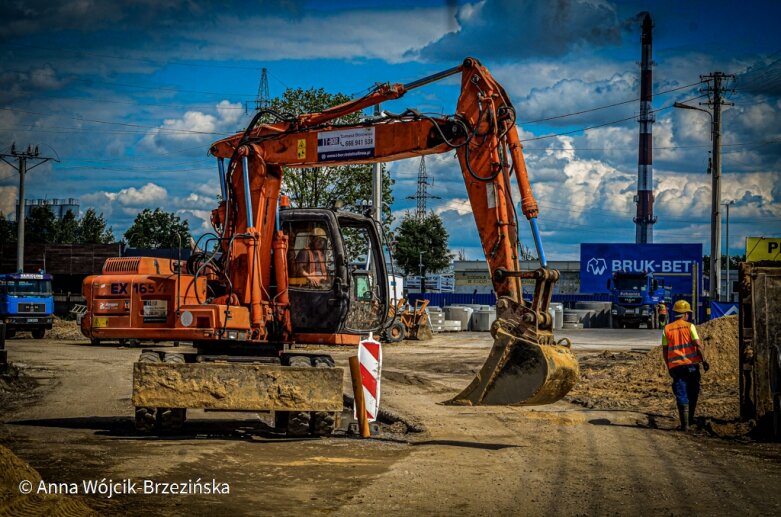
521 372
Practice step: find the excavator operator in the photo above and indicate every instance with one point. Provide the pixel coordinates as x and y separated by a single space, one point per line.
312 259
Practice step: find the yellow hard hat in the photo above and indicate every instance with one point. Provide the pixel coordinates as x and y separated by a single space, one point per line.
318 232
682 306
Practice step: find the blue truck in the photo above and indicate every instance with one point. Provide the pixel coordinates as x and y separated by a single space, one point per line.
635 297
26 303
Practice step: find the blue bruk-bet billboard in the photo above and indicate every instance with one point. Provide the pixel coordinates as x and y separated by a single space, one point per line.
671 263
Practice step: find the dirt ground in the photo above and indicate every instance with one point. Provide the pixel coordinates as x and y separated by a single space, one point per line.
67 416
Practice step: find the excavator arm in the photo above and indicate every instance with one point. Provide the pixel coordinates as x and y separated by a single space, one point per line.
526 365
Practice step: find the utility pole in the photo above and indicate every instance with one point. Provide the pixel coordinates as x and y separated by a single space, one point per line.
21 167
715 101
377 183
729 284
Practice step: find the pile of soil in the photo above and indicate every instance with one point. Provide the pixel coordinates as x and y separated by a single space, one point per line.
65 329
640 382
14 471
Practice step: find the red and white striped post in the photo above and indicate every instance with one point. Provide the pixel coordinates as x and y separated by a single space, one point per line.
370 358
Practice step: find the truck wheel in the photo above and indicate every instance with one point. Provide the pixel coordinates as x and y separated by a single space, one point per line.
146 417
324 422
172 419
777 417
397 332
299 422
38 333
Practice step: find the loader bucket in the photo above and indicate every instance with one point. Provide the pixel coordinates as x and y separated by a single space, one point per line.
520 371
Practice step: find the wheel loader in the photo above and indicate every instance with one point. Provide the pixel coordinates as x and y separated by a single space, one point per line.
271 276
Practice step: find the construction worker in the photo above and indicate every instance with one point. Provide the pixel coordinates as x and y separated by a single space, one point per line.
682 354
312 261
662 311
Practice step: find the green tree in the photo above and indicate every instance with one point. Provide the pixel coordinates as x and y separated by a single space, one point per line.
67 229
157 229
40 227
7 229
324 186
92 229
422 241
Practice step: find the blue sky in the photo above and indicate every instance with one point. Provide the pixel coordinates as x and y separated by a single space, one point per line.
130 94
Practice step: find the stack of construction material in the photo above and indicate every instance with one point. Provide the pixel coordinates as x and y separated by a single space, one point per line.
482 319
588 315
460 314
451 326
600 313
572 319
437 318
557 312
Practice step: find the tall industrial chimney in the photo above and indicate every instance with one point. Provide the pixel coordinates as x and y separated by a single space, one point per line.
645 219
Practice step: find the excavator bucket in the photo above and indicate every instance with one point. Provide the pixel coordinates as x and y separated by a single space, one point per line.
525 366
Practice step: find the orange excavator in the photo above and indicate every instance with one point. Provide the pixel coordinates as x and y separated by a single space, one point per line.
275 276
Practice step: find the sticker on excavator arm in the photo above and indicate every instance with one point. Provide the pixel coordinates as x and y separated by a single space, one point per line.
100 322
301 150
345 144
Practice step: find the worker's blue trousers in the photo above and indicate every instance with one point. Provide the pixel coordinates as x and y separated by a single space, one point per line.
686 383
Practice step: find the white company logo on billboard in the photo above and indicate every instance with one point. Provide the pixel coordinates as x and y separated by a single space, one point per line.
597 266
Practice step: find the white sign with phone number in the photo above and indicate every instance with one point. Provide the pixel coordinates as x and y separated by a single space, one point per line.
345 144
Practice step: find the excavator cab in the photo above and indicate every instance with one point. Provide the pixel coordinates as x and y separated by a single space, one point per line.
336 272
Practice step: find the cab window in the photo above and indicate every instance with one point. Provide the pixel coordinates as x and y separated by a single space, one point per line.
310 256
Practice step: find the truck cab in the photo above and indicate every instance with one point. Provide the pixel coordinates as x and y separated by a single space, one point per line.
635 297
26 303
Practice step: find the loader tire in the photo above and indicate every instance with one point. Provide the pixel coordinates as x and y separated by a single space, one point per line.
172 419
299 422
397 332
324 422
146 417
38 333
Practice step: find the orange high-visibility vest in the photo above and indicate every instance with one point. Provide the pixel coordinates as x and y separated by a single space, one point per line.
316 263
662 309
680 344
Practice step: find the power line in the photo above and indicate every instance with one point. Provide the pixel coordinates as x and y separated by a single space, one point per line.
607 105
633 117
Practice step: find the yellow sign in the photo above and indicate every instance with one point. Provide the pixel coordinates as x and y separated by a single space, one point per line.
100 322
301 149
763 248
